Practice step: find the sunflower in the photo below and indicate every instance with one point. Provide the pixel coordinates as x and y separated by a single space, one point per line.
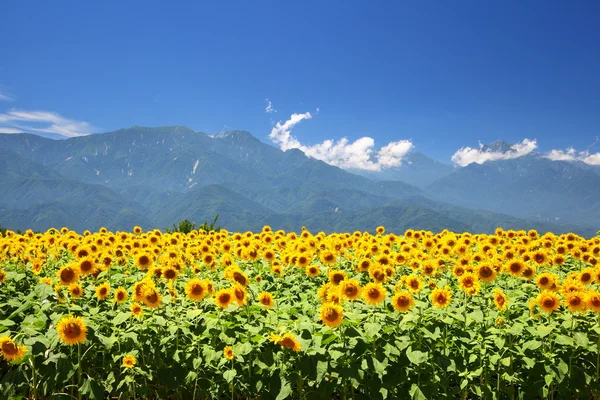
364 264
336 276
140 287
120 295
143 261
500 299
2 275
332 314
546 280
499 321
72 330
403 301
170 273
334 295
10 350
548 301
351 289
586 275
290 342
312 271
377 273
575 301
228 353
593 301
47 281
137 230
223 298
380 230
458 270
469 283
151 297
87 265
327 257
102 291
486 273
441 297
129 361
374 293
240 295
266 299
515 267
195 289
528 272
75 290
539 257
136 310
68 274
414 283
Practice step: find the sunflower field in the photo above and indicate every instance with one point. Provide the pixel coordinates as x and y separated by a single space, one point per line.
512 315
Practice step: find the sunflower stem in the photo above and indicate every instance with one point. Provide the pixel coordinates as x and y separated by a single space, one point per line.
33 377
79 371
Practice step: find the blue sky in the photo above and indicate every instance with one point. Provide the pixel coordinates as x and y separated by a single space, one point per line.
442 75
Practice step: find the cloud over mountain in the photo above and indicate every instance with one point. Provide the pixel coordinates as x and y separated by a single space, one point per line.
467 155
343 153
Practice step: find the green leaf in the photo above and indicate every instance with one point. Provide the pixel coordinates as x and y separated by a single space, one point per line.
563 339
229 375
321 370
543 331
92 389
416 357
372 329
121 317
532 345
581 339
191 314
285 391
499 342
416 393
530 363
477 316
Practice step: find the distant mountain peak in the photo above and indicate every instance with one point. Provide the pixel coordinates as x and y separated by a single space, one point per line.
499 146
244 135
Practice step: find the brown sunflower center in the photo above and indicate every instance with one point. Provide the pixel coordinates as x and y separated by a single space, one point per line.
197 289
67 275
331 315
403 301
10 348
72 330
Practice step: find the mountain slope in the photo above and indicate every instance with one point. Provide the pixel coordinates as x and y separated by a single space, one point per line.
528 187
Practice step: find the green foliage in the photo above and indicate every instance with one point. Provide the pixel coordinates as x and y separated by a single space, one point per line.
186 226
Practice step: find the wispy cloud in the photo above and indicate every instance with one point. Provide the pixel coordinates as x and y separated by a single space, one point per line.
269 108
571 154
468 155
360 154
44 122
4 129
5 96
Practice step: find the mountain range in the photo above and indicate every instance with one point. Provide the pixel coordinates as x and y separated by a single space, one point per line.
154 177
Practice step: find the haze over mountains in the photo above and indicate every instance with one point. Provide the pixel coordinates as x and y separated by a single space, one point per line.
154 177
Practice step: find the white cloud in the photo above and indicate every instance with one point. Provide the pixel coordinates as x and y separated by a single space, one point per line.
9 130
6 97
45 122
269 108
359 154
572 155
468 155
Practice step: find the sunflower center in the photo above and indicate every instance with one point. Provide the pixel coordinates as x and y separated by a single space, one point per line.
67 275
85 266
549 303
72 330
10 348
331 315
197 289
373 293
441 298
544 281
144 260
485 272
403 301
337 278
